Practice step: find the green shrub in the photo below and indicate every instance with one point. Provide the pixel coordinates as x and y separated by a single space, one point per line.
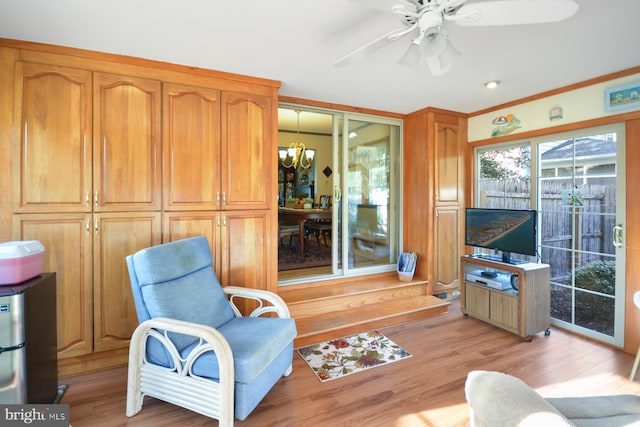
596 311
599 276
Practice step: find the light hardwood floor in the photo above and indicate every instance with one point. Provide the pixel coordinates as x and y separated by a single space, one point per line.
426 390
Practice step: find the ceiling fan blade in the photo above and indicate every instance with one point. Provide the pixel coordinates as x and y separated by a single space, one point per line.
516 12
384 5
384 40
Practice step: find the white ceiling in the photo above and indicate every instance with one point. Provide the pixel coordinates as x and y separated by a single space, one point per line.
297 41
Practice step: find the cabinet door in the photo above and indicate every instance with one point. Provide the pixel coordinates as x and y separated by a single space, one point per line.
447 249
504 309
180 225
52 131
67 240
477 300
449 173
248 151
191 148
244 251
127 157
117 235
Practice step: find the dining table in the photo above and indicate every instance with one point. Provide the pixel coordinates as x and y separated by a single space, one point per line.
300 216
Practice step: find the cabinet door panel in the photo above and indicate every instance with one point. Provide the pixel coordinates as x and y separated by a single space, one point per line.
116 236
447 249
244 250
449 165
191 146
52 139
127 159
244 254
180 225
477 300
504 309
67 240
248 151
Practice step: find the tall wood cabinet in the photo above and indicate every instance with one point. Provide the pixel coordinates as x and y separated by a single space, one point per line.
448 155
111 155
434 195
217 177
88 187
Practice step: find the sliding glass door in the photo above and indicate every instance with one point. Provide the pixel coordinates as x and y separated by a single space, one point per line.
581 210
370 192
355 174
576 183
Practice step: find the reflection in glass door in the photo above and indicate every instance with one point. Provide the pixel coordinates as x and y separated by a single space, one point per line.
581 212
370 192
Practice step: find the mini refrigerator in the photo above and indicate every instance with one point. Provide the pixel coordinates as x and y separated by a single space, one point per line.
28 341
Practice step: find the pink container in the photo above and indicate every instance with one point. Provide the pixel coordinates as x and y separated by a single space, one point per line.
20 261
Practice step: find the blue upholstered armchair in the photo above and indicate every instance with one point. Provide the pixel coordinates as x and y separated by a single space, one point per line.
193 347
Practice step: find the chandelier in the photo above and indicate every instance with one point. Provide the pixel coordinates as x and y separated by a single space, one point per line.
297 152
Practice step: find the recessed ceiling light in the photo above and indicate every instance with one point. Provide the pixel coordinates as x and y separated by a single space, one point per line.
492 84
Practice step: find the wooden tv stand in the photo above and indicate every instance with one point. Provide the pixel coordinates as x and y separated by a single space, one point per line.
524 312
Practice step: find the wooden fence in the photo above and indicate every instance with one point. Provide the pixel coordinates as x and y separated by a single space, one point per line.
592 215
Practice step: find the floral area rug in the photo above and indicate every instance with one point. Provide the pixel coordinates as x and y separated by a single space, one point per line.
345 356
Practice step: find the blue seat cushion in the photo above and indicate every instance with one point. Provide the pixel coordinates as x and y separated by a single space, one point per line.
177 281
255 342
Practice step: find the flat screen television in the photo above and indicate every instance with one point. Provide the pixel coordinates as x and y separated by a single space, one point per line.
506 230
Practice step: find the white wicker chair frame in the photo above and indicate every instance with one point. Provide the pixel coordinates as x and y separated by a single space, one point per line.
179 385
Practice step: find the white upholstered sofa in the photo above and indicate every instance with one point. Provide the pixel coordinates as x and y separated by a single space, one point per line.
501 400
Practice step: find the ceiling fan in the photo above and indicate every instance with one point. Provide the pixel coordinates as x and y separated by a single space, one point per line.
428 18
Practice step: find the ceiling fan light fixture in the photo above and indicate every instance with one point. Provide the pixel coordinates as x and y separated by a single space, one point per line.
442 64
434 42
411 57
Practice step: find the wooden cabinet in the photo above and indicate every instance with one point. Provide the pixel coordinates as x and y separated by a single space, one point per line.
248 151
434 208
116 235
239 242
447 231
126 138
68 242
448 180
218 155
94 304
80 192
525 311
110 155
191 148
52 146
449 161
64 166
217 149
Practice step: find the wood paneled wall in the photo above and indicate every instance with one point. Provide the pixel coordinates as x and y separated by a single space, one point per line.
632 236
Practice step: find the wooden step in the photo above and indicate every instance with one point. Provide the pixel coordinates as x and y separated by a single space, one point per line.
352 296
333 309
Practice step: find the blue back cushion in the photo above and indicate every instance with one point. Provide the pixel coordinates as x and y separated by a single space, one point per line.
176 280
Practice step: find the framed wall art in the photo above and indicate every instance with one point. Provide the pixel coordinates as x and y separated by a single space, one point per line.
622 97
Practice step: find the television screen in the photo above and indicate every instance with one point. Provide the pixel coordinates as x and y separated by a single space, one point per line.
506 230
